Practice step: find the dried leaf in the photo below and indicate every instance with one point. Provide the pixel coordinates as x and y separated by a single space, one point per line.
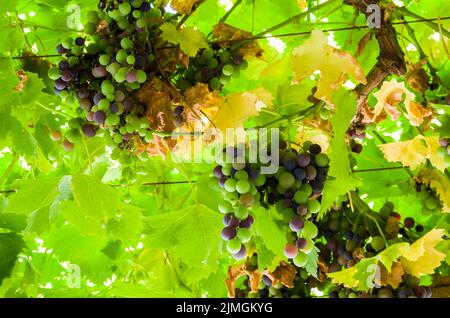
417 78
392 277
183 6
284 273
316 54
392 227
363 43
22 75
393 93
224 33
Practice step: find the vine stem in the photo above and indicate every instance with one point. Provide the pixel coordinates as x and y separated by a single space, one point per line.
186 16
377 169
54 111
229 12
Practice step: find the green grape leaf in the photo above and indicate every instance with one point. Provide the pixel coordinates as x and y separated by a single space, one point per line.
189 39
312 262
334 188
33 195
192 233
11 244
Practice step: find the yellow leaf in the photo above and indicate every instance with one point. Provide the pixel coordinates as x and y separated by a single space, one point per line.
393 93
302 4
316 54
439 182
422 257
414 152
237 108
345 277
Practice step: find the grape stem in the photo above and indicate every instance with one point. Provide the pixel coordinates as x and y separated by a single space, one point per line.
365 209
428 22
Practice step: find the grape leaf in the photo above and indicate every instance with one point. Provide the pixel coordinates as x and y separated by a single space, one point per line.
439 182
189 39
316 54
192 233
11 244
311 262
42 191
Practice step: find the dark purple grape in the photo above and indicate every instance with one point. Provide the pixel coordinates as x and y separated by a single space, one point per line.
98 97
296 223
207 74
290 195
405 293
114 108
311 173
60 49
140 62
178 111
299 174
100 117
357 148
333 293
228 233
272 198
420 292
419 228
340 250
79 41
443 142
237 60
66 76
247 223
234 222
272 182
317 185
89 130
347 255
253 173
287 203
64 65
241 254
56 91
60 84
222 181
332 245
301 243
290 164
302 210
356 238
315 149
99 71
348 235
83 92
267 281
409 222
218 172
127 105
303 160
145 7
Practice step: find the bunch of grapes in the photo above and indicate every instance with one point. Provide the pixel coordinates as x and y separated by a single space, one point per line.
430 201
214 66
444 150
295 190
102 70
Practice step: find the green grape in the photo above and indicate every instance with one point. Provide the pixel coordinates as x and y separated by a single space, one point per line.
377 243
112 120
107 87
90 28
104 105
313 206
104 59
136 3
226 171
74 124
208 54
241 175
228 70
92 49
74 136
103 44
131 59
54 73
67 43
281 190
234 245
126 43
149 137
141 76
140 23
324 113
124 8
309 230
212 63
241 213
73 60
224 79
113 68
300 197
214 83
225 56
306 188
225 207
322 160
155 13
300 259
308 247
431 203
231 196
442 152
76 50
137 14
242 186
244 235
260 181
121 75
244 65
230 185
118 138
287 180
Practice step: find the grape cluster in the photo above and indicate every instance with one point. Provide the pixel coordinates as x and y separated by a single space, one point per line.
295 190
430 201
214 66
444 150
102 70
